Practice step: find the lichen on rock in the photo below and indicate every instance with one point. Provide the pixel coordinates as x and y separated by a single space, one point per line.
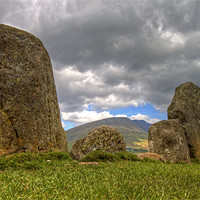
178 138
185 106
29 112
167 139
105 138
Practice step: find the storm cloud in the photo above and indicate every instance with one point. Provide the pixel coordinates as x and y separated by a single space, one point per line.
112 54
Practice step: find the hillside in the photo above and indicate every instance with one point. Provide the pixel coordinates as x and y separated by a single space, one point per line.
133 131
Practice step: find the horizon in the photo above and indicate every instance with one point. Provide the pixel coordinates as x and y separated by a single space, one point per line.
113 58
105 119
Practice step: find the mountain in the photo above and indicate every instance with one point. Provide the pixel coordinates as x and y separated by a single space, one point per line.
142 124
134 131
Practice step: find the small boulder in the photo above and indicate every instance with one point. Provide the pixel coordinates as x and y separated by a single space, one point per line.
167 139
185 106
105 138
153 156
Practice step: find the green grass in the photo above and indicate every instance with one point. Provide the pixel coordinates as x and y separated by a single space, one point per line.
56 176
100 156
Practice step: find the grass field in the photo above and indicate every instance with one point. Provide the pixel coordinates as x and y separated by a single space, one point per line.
56 176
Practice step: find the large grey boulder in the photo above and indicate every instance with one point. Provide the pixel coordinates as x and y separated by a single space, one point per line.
105 138
167 139
29 112
185 106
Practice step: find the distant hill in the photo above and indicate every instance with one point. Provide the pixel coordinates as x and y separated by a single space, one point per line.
142 124
135 132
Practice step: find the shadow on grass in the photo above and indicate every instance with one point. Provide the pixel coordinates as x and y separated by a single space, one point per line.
31 161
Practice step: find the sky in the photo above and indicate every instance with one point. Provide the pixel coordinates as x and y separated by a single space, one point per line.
113 58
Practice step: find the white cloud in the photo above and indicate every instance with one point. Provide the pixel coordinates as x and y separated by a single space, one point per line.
77 90
173 38
146 118
116 101
85 116
119 115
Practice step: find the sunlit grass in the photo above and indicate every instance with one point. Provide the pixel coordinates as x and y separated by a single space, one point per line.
58 177
142 144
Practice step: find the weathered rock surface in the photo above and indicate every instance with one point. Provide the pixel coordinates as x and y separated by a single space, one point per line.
29 112
185 106
103 138
153 156
167 138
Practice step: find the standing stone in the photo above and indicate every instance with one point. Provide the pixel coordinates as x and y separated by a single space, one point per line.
105 138
167 139
29 112
185 106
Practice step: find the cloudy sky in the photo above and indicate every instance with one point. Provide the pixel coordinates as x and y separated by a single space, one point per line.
114 57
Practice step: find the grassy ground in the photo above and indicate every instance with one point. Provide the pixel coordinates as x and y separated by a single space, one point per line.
56 176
